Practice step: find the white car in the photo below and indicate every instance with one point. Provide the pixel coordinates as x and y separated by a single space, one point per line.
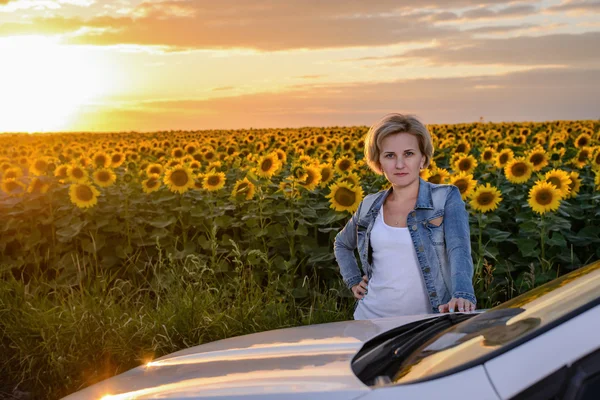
544 344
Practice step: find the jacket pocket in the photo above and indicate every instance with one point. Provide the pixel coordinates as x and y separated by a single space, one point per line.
435 229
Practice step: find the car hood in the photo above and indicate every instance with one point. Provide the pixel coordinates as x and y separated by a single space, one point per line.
308 359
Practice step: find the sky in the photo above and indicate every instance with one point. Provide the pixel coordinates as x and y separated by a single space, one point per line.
154 65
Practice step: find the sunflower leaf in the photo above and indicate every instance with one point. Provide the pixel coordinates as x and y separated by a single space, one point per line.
497 235
161 222
557 240
528 247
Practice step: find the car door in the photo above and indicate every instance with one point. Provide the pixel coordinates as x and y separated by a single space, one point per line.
554 362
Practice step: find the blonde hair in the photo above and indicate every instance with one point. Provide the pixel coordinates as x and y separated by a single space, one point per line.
393 124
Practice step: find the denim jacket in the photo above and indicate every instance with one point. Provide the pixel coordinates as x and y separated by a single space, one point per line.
444 251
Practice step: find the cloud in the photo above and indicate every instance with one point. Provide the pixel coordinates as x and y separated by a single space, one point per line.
537 95
223 88
499 28
264 24
581 6
520 10
311 76
558 49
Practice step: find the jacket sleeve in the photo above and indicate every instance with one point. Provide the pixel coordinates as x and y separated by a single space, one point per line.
343 247
458 246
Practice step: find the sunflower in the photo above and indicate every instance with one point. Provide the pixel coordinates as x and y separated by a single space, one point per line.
23 161
347 146
12 186
209 155
213 181
132 156
538 158
518 140
351 178
77 174
503 157
117 159
104 177
560 179
4 165
191 148
178 152
155 169
487 156
38 186
39 166
424 174
544 197
575 184
243 190
344 197
195 165
438 175
101 160
583 140
187 159
152 184
465 183
312 178
268 165
463 146
466 163
214 166
83 195
555 156
596 159
198 182
61 172
485 198
305 160
281 155
344 164
583 157
518 170
326 174
597 180
179 179
13 173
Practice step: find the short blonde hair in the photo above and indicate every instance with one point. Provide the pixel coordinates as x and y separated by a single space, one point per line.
392 124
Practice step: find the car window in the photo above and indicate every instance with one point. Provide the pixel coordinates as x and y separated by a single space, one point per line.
501 328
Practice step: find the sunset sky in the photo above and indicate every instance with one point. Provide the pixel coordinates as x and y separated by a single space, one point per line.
146 65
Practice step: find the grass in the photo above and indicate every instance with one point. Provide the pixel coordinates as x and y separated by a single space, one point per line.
58 339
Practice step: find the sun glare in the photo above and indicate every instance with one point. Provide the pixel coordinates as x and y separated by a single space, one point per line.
44 83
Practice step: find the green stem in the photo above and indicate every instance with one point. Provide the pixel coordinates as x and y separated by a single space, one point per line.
53 223
127 219
542 241
181 224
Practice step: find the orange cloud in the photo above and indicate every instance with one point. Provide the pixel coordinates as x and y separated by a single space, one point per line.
540 95
263 24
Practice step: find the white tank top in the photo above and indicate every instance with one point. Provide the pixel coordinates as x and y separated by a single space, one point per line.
396 286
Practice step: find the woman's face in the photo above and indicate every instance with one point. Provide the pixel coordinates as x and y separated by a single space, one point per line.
401 159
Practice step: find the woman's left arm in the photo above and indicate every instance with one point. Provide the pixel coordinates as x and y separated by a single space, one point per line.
458 248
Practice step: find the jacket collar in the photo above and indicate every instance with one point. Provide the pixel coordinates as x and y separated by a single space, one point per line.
424 199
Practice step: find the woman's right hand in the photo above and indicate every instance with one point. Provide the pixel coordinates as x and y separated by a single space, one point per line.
360 290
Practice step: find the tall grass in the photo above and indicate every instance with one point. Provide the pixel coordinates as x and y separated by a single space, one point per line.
59 339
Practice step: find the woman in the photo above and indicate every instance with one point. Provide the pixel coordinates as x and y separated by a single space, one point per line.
413 239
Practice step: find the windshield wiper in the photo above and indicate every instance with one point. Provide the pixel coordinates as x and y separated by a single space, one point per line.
371 362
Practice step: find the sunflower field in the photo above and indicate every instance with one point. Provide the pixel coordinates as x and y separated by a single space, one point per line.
266 204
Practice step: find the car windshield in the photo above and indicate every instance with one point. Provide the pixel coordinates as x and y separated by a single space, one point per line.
502 327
